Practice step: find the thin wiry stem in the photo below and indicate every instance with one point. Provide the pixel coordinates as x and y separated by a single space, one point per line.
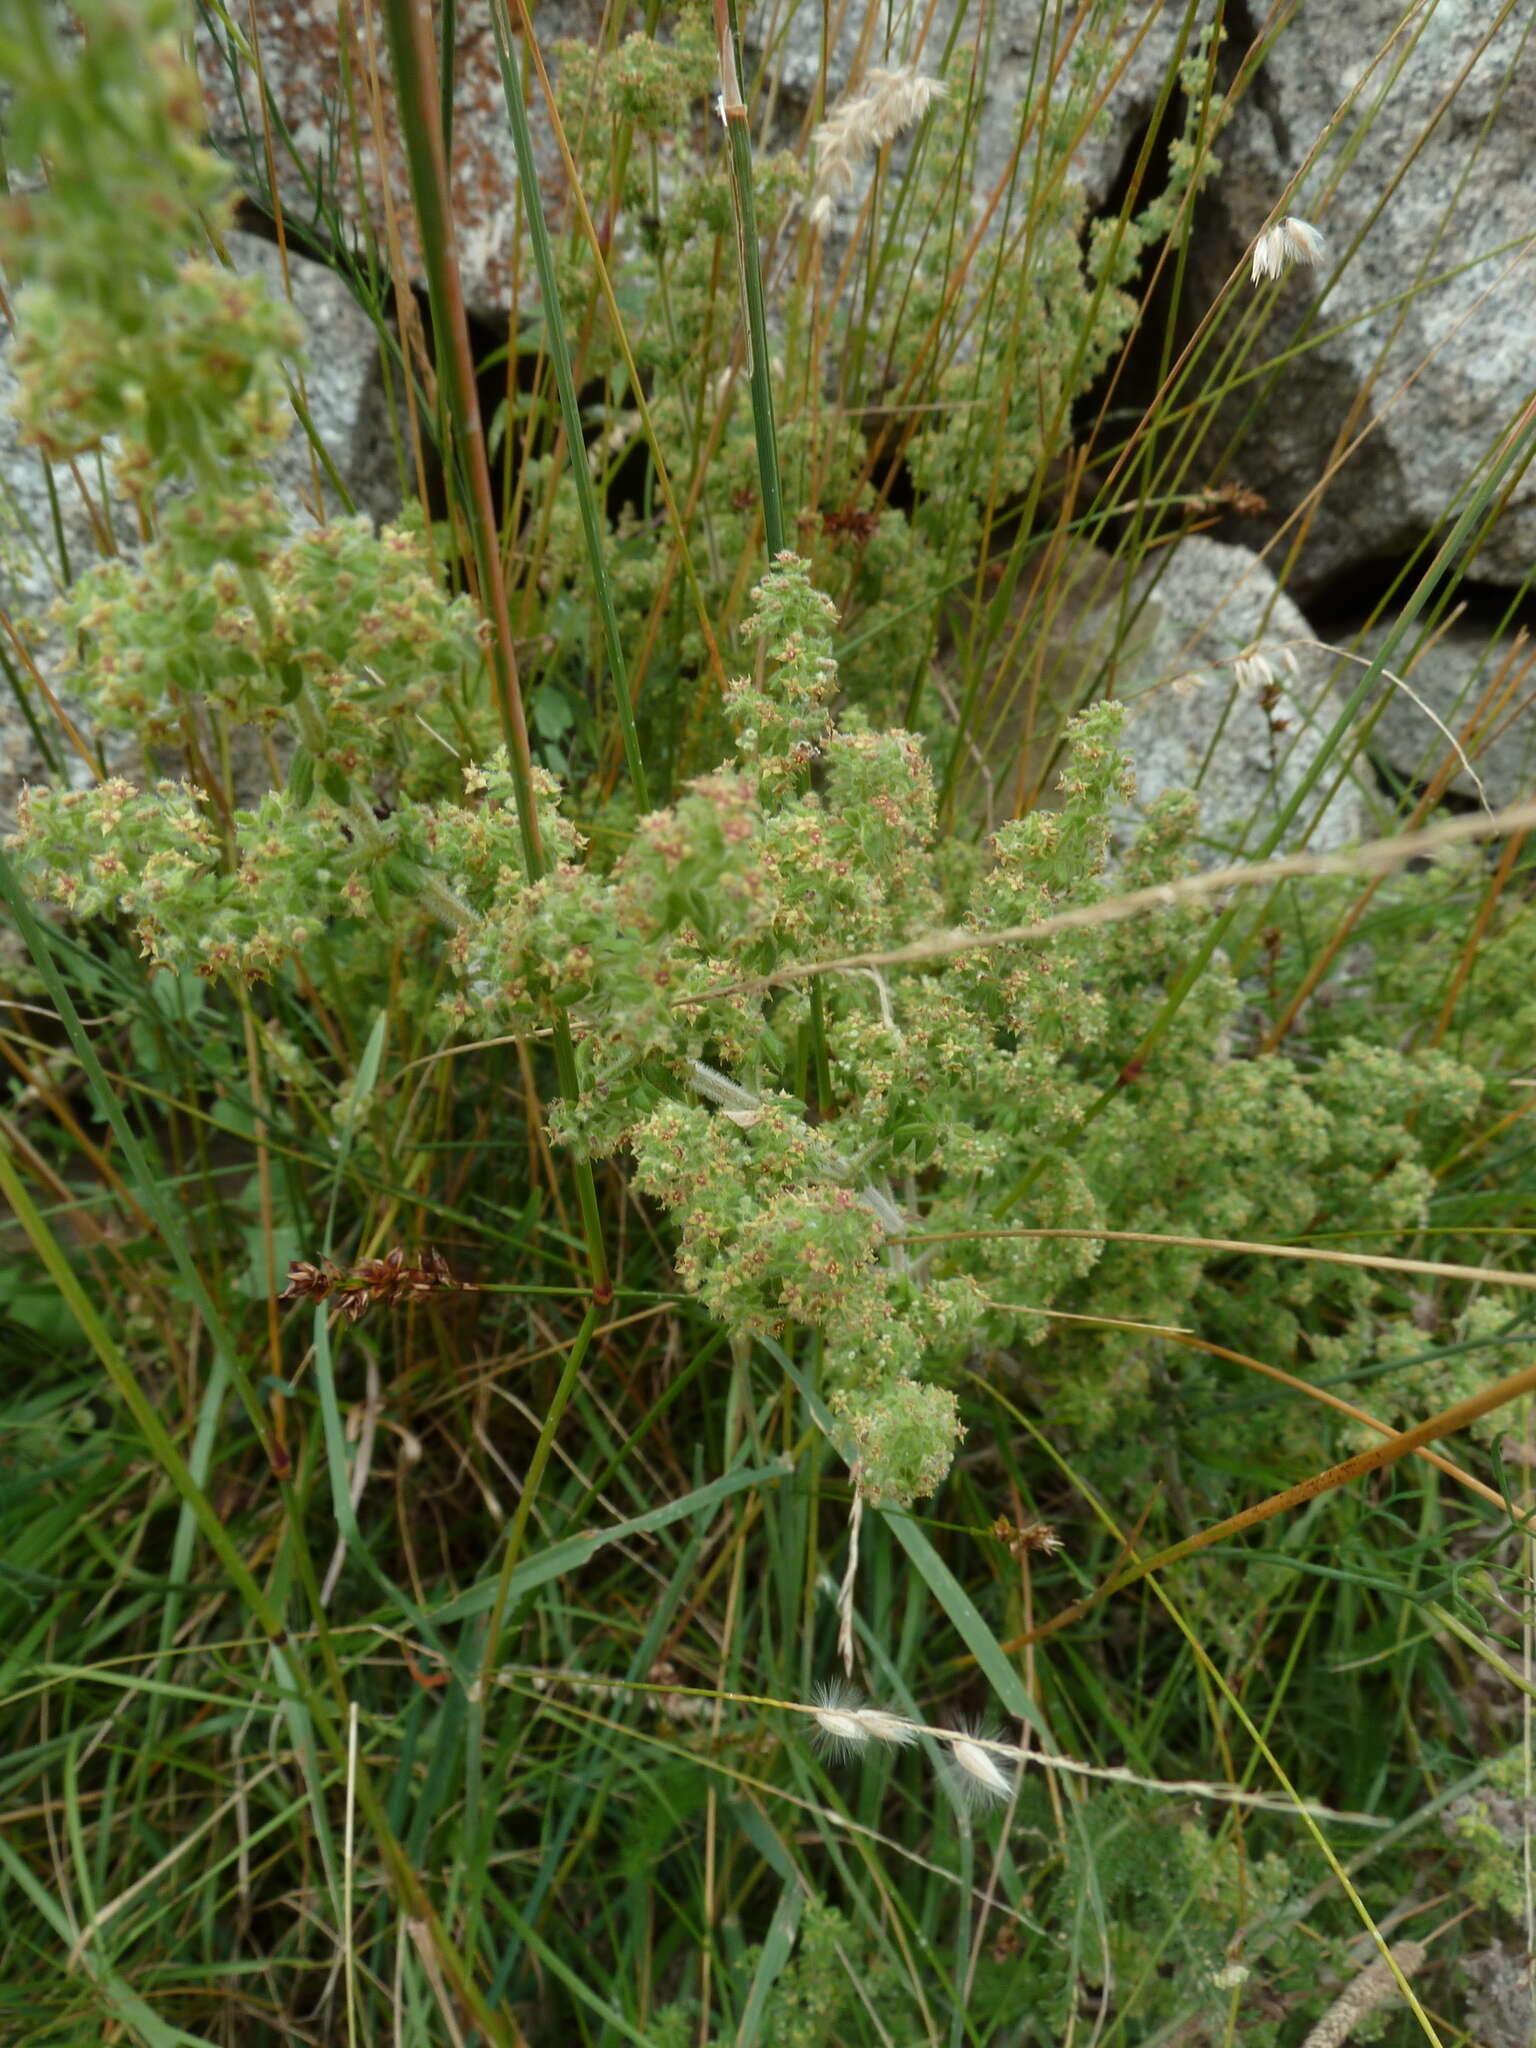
410 39
845 1726
749 256
637 386
411 53
557 346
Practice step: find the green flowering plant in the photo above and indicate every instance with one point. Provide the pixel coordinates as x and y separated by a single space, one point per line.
939 1175
872 1163
867 1163
945 348
124 329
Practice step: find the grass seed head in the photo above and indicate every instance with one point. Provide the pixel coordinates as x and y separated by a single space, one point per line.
890 102
976 1776
844 1726
1286 242
883 1727
840 1729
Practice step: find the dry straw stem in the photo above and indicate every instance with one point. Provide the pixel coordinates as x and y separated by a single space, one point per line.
1498 691
1373 857
1327 1399
846 1727
988 1766
1399 1446
1434 1269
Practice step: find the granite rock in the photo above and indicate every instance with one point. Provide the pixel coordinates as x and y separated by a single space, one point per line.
331 180
1228 695
1480 689
1420 324
342 387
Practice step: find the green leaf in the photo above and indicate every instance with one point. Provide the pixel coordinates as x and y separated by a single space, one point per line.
301 778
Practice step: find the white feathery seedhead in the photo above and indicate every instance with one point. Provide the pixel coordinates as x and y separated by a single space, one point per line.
1287 241
883 1727
890 102
977 1776
1252 670
844 1726
840 1729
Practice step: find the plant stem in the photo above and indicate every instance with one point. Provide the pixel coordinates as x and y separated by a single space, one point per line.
559 351
621 342
739 142
410 41
411 53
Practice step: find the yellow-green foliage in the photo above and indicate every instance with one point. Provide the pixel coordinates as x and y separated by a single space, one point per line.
867 1162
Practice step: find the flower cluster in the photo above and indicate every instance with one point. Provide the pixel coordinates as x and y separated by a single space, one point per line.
389 1282
120 331
826 1159
230 613
240 900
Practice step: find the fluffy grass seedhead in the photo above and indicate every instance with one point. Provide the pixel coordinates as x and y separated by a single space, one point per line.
975 1777
861 123
1289 241
844 1727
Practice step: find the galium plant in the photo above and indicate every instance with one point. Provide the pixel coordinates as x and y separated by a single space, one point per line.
870 1162
826 1163
862 1167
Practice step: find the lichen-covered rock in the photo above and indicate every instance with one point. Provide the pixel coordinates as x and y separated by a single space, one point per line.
318 83
1501 2001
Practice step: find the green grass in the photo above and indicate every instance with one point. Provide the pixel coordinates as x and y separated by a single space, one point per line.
449 1675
